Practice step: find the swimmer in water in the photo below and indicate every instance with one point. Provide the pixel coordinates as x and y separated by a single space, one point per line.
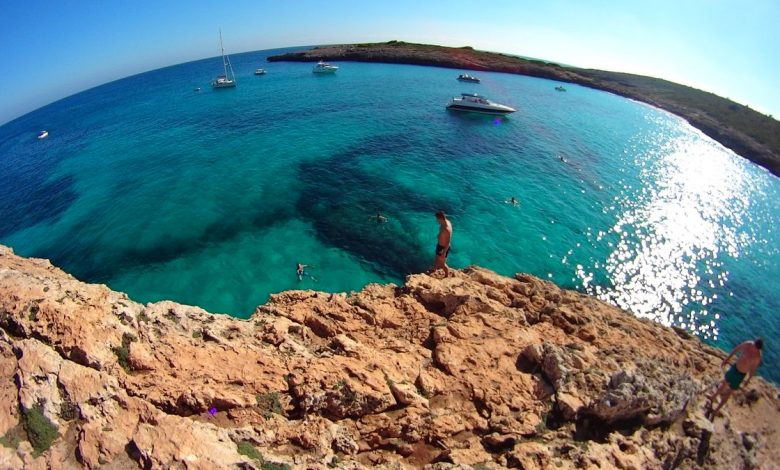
379 218
300 270
512 201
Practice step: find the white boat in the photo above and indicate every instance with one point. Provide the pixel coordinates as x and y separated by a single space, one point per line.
464 77
259 71
43 134
474 103
222 81
324 67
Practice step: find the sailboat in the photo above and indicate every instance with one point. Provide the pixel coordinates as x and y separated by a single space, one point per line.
223 81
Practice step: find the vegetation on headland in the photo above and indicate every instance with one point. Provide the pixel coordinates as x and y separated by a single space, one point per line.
40 431
747 132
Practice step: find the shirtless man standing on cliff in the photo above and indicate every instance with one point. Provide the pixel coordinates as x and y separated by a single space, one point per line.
442 245
748 360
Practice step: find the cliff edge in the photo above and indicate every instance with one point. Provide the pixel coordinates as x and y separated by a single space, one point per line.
474 370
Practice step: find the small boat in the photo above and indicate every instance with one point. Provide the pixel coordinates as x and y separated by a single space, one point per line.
560 88
324 67
222 81
472 102
259 71
464 77
43 134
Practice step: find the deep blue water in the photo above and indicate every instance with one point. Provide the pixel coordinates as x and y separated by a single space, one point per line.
211 197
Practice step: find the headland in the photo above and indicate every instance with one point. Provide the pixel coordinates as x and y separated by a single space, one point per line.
471 371
747 132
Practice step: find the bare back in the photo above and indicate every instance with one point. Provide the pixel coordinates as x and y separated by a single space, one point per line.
748 357
445 233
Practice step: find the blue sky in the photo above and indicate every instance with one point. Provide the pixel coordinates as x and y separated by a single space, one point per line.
49 50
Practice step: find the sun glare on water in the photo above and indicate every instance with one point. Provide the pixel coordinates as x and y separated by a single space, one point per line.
670 236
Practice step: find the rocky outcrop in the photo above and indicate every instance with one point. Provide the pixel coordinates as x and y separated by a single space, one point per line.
475 369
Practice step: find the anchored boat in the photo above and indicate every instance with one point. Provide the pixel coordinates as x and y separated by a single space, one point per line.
324 67
464 77
474 103
222 81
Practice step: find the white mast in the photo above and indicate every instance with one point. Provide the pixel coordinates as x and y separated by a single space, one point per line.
222 48
223 81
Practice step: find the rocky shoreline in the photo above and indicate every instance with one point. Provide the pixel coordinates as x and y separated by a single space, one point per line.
472 371
748 133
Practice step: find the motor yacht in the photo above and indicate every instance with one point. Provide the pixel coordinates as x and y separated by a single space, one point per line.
259 71
324 67
472 102
43 134
464 77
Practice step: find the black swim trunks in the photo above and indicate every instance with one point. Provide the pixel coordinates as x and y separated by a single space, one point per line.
440 250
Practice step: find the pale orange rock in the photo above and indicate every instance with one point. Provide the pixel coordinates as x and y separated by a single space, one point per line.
9 415
9 459
473 369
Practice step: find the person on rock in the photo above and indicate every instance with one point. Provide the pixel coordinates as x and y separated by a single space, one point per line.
442 245
748 359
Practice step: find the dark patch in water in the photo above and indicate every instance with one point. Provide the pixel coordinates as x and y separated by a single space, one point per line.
340 197
31 201
80 258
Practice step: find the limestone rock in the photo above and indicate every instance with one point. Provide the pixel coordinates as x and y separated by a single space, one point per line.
140 358
37 371
406 394
475 369
9 459
9 415
529 455
653 394
569 405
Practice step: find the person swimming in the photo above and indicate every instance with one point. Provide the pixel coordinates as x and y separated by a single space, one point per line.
379 218
512 200
300 271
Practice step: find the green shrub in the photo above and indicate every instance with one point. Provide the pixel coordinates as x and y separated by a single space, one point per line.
246 448
123 352
171 315
269 404
197 334
34 309
274 466
40 431
12 438
68 410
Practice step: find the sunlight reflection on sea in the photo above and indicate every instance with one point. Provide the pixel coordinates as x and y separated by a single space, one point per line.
666 245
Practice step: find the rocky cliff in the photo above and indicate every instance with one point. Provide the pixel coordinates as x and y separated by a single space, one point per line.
473 370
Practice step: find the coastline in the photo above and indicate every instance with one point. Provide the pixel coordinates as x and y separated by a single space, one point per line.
748 133
476 369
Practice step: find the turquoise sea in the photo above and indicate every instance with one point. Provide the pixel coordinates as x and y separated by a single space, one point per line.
210 197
